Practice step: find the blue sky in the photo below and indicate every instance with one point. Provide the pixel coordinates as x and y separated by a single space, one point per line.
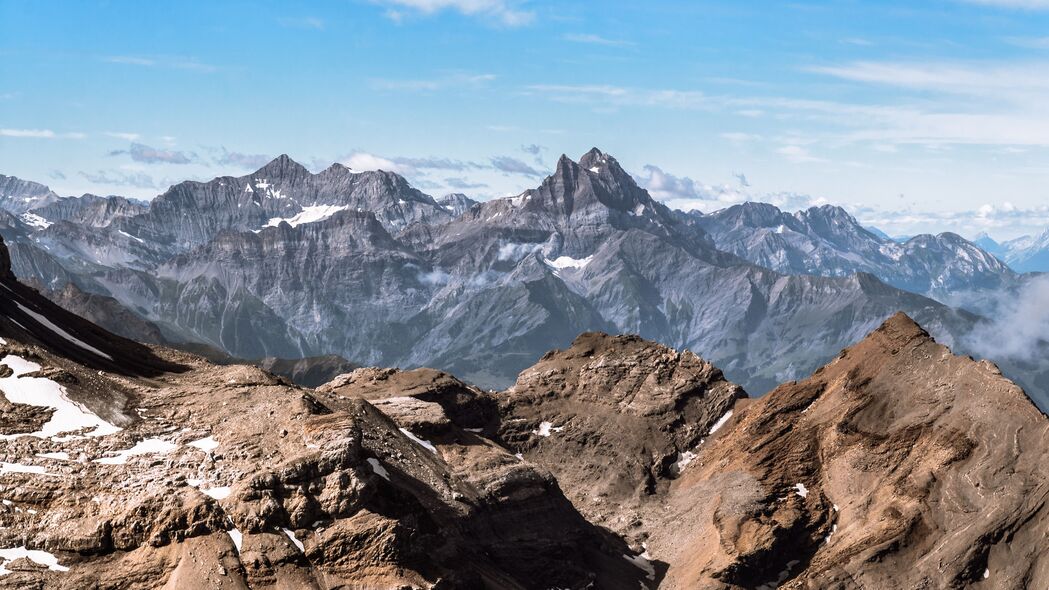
917 116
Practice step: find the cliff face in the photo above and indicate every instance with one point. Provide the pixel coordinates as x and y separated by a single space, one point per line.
896 465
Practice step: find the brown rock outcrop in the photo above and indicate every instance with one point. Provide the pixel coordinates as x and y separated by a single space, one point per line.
613 417
898 465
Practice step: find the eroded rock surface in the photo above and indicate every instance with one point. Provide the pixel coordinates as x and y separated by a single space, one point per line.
615 418
898 465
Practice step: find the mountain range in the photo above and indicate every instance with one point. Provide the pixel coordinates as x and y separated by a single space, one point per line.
290 264
1025 254
614 462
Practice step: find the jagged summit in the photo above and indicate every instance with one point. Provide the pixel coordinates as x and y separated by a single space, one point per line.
456 203
901 329
282 167
596 180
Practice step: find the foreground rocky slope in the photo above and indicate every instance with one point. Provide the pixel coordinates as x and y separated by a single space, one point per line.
146 467
897 465
615 418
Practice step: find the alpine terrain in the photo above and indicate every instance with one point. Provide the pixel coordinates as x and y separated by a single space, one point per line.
616 462
290 264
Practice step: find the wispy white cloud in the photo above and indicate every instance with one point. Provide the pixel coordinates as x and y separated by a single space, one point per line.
118 178
123 135
981 102
171 62
504 12
605 95
740 137
510 165
1003 219
978 79
364 161
151 155
242 160
1021 4
35 133
302 22
1030 42
592 39
40 134
129 60
417 168
455 81
460 183
797 154
687 194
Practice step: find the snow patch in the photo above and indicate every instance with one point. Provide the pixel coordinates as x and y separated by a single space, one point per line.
683 460
563 262
35 220
34 555
424 443
642 562
378 468
801 489
833 529
309 214
721 422
519 200
35 391
127 235
237 538
219 493
294 540
149 446
547 428
58 456
6 468
206 444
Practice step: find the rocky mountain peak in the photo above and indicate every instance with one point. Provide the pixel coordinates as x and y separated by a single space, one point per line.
456 203
282 167
596 179
18 196
596 157
614 400
900 328
753 214
828 215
